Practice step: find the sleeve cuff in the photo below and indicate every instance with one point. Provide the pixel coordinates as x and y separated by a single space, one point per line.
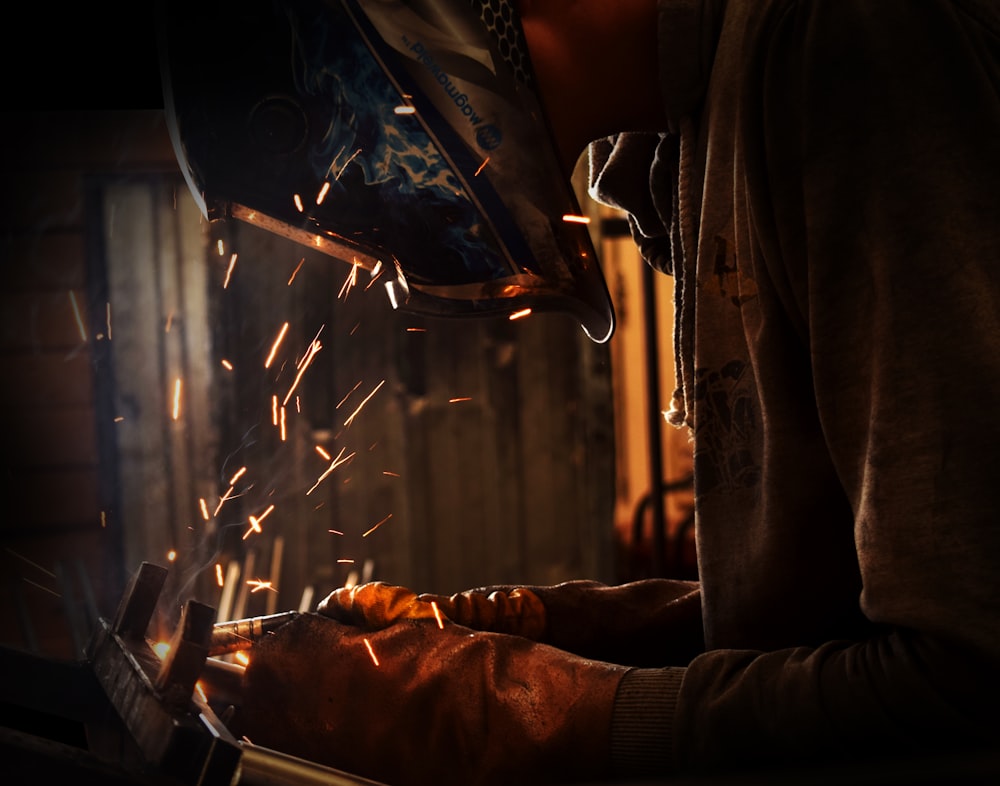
642 722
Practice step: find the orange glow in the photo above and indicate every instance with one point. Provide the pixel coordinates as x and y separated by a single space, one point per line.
333 465
218 574
437 614
161 648
229 272
569 218
275 345
170 322
520 314
348 395
227 365
458 400
242 657
171 555
310 354
260 584
367 399
383 521
177 399
371 652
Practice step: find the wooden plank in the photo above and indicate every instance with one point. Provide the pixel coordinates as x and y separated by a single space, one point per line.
48 379
43 321
50 500
142 394
60 437
43 261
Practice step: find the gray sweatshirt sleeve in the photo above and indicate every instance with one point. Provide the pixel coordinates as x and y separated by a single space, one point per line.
871 135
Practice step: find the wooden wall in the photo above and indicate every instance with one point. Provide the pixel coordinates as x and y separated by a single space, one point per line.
511 482
60 556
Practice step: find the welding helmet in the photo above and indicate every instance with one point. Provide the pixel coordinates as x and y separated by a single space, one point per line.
404 136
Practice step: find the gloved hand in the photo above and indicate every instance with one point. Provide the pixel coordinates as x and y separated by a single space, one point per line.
441 705
377 605
653 622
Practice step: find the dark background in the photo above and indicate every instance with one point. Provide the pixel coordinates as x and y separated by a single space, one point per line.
59 57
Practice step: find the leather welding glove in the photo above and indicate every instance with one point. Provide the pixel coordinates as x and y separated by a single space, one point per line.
441 705
652 622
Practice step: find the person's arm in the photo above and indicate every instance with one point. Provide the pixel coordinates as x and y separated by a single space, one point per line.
873 170
652 622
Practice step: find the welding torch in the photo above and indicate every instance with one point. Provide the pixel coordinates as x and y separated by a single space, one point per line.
242 634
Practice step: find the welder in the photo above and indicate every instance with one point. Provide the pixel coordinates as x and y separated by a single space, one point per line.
820 178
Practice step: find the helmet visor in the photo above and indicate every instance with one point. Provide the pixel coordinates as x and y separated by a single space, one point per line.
404 137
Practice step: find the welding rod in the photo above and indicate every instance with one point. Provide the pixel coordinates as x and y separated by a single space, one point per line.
243 634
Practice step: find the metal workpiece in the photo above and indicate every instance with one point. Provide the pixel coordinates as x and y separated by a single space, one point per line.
243 634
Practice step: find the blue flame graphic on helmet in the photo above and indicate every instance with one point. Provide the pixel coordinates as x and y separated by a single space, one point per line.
386 176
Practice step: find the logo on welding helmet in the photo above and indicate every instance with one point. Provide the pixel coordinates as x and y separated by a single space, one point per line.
489 137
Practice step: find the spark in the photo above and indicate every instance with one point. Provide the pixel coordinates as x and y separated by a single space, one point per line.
524 312
242 657
275 345
376 274
104 519
222 500
310 354
349 394
222 251
459 400
437 614
177 399
322 451
371 652
201 691
218 574
161 648
76 314
119 419
284 432
569 218
33 564
323 192
482 166
296 271
204 508
416 330
274 410
229 272
383 521
367 399
404 110
239 474
171 555
298 202
170 322
391 474
354 155
346 561
333 465
335 532
350 281
260 584
391 291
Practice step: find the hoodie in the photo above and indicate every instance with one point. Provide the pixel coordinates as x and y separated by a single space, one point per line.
826 197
